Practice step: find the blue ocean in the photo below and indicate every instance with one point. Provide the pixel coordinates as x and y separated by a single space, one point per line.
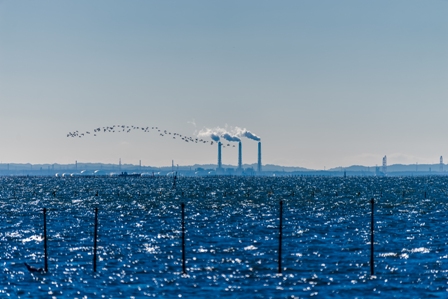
231 237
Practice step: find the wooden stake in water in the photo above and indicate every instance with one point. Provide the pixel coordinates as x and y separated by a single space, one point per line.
95 236
184 270
174 181
280 236
371 239
45 240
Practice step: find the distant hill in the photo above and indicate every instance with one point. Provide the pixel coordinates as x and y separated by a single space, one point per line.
393 168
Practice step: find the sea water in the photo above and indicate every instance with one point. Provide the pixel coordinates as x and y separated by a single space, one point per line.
232 237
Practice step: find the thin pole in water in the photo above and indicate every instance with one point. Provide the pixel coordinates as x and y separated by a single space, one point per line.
280 238
371 238
45 240
95 236
184 270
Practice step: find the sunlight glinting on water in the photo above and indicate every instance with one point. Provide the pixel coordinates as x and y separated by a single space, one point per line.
232 233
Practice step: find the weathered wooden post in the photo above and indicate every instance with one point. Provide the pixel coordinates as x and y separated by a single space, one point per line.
95 236
372 262
280 238
45 240
184 270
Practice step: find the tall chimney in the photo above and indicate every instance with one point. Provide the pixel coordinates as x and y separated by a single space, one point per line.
219 156
240 156
259 156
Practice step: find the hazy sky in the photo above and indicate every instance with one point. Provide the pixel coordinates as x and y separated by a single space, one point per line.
323 83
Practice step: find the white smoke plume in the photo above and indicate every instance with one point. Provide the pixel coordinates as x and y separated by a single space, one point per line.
214 137
251 136
232 134
229 137
245 133
214 133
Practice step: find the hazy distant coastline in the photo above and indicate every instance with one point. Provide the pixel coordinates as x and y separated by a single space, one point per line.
7 169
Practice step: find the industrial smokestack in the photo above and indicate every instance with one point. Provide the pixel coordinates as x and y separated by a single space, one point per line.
259 156
240 156
219 157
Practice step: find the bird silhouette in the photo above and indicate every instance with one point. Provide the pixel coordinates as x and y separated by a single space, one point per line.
33 269
120 128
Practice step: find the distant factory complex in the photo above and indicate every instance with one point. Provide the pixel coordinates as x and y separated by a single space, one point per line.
239 170
215 135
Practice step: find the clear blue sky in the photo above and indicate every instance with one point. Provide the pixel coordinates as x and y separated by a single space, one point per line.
324 83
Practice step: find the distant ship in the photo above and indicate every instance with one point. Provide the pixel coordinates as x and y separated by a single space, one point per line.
130 175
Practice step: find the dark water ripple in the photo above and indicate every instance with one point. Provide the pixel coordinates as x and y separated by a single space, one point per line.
232 237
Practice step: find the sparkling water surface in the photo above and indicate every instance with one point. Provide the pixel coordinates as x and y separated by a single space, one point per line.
232 237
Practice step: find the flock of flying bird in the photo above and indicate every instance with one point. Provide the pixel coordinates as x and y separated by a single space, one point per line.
127 129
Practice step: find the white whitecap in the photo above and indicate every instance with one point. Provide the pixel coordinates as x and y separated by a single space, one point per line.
250 247
33 238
